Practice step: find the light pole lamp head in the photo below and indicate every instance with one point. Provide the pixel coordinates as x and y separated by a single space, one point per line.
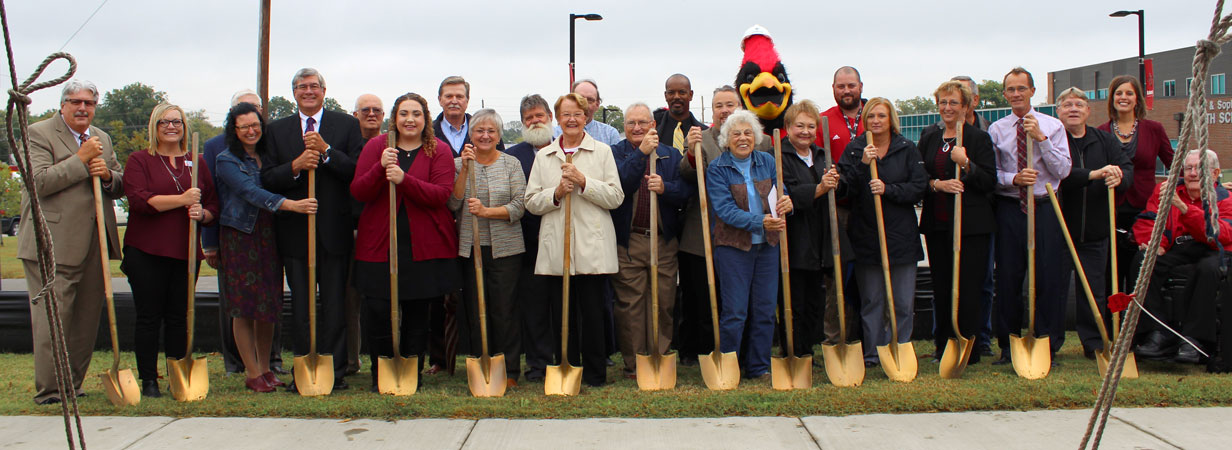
586 16
1125 13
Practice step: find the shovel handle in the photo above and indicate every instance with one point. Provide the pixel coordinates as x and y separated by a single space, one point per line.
477 256
784 261
703 203
192 255
835 251
312 267
394 316
1112 233
101 224
564 282
1030 246
957 238
885 257
1082 275
654 262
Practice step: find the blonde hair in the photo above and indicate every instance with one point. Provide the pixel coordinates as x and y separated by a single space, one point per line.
952 86
881 101
806 107
157 115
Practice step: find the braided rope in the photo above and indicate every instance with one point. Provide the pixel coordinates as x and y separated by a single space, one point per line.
19 106
1195 123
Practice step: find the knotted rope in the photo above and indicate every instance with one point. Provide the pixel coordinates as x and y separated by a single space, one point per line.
1194 124
19 103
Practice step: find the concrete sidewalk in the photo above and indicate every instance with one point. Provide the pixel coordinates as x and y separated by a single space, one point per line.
1146 428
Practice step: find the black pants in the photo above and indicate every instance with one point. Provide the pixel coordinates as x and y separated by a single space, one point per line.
808 306
331 306
500 283
587 340
413 329
972 265
1191 312
695 332
1094 257
537 313
1012 270
160 296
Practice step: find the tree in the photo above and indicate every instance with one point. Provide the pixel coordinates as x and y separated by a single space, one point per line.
10 192
280 107
611 115
916 105
991 96
125 115
199 122
512 133
333 105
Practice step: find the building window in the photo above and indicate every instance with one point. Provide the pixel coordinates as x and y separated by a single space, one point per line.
1188 83
1090 95
1217 85
1170 88
1102 94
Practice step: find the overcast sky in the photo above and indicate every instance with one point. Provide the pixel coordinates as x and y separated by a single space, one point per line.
200 52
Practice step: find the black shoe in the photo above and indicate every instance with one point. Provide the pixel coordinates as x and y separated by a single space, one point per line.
974 358
1089 353
149 388
870 364
292 388
534 376
1188 354
279 370
688 361
341 384
1003 360
984 350
609 362
374 389
1157 346
48 401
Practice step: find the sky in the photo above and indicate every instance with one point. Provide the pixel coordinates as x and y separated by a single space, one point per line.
201 52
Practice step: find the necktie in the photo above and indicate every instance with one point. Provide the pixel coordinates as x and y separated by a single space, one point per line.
678 139
1022 164
311 125
83 138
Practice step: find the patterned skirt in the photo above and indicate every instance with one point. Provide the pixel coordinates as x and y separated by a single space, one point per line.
252 272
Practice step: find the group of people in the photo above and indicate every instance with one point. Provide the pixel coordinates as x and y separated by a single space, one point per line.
252 195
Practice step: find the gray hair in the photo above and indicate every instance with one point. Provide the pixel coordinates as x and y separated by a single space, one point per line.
1212 159
637 105
741 116
975 91
1072 92
725 88
451 80
361 96
592 83
74 86
235 99
533 101
305 73
488 115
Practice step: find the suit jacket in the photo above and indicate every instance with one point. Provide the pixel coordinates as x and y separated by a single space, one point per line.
335 207
979 182
210 149
436 128
66 194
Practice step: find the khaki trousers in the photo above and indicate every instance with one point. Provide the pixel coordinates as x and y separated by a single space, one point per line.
79 290
632 285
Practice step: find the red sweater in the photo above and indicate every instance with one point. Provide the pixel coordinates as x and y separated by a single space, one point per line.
163 233
424 192
840 135
1192 223
1152 143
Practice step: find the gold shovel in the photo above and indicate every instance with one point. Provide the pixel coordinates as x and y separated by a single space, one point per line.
655 371
395 375
1130 368
1031 354
790 371
314 373
564 379
486 374
844 361
958 348
720 371
897 359
190 379
118 384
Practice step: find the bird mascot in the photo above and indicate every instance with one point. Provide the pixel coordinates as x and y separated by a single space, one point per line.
762 81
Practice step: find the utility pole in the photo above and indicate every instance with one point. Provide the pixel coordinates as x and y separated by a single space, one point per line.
263 40
703 108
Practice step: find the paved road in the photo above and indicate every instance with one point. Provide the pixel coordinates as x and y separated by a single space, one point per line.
1145 428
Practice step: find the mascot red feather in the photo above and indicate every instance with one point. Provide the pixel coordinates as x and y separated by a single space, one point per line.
762 81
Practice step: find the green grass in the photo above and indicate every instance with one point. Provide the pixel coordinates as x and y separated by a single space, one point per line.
984 387
10 266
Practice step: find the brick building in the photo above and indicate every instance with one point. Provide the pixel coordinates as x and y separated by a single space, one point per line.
1173 71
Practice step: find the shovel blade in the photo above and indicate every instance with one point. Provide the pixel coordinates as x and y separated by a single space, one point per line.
720 371
486 381
844 363
791 372
1104 358
314 374
189 378
1031 355
562 380
954 358
898 361
394 376
121 387
656 372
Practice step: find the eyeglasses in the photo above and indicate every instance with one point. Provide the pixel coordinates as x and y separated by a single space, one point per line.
309 87
370 111
952 103
1014 89
176 123
244 128
639 123
79 102
576 115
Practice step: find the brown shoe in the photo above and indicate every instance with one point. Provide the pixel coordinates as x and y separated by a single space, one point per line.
434 369
510 383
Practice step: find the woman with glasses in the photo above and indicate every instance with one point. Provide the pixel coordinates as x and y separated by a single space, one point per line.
161 201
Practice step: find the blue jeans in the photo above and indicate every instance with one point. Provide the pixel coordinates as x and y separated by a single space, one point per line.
750 288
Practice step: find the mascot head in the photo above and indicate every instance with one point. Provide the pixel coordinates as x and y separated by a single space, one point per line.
762 81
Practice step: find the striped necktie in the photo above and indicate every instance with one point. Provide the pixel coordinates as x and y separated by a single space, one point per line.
678 139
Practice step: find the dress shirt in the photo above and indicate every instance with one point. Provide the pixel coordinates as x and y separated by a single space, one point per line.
602 132
456 136
1051 156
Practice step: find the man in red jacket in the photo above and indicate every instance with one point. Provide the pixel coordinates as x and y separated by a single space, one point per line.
1191 246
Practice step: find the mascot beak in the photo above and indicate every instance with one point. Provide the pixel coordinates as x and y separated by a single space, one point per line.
766 95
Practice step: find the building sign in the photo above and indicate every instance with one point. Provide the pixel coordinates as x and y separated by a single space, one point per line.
1149 82
1219 111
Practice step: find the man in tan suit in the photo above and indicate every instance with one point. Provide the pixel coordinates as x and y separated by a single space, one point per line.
65 151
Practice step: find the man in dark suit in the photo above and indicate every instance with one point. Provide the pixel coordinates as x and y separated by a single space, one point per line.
65 152
329 143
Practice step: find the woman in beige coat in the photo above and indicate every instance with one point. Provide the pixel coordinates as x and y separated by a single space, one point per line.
591 181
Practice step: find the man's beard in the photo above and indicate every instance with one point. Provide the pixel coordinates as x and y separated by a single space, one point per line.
537 135
849 103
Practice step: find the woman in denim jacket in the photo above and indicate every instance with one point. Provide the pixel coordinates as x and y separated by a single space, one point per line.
746 241
248 254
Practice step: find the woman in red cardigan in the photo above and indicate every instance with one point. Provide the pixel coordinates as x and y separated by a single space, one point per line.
421 168
1143 141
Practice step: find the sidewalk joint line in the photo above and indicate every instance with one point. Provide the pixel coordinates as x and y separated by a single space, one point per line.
810 432
474 422
173 420
1147 432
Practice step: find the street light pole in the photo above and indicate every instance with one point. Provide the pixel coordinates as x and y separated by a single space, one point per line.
572 18
1141 41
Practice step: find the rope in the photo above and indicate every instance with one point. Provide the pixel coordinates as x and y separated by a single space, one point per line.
1193 125
19 103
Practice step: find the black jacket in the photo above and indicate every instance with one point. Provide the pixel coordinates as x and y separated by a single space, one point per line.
808 226
436 129
667 125
979 182
906 180
1084 201
336 217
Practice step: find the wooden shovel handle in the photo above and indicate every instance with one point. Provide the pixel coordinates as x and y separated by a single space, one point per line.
784 261
654 261
101 224
394 316
1112 246
564 284
885 257
477 256
954 294
835 251
192 254
703 203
